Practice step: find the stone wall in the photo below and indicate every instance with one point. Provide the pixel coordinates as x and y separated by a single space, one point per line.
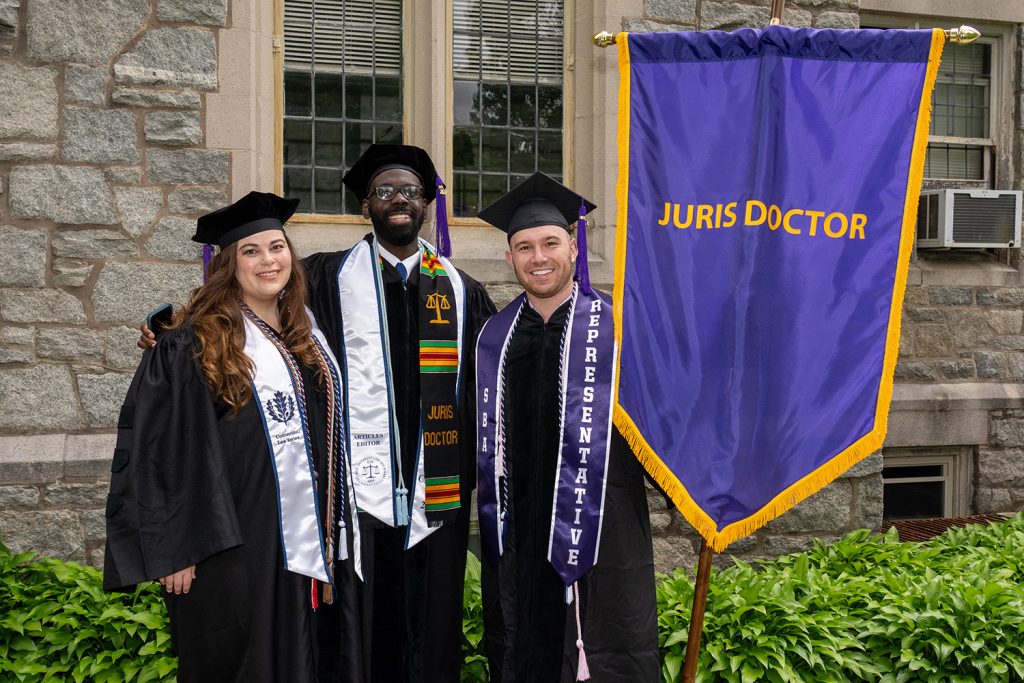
102 172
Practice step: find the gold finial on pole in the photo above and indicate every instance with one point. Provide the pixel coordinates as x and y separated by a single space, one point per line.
604 39
962 35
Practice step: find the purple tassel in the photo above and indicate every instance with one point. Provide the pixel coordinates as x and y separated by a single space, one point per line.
444 242
582 272
207 257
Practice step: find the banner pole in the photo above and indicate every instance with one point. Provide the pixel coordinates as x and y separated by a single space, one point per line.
777 7
700 599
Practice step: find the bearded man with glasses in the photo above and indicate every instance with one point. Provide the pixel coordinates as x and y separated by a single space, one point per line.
403 322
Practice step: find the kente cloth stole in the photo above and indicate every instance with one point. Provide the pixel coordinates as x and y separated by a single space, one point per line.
586 379
373 432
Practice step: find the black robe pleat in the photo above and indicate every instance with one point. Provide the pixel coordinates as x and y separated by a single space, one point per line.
412 599
193 485
530 632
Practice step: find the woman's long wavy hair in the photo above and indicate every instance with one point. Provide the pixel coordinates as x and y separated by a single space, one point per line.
214 311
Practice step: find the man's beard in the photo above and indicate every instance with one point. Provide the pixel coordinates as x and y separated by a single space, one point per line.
398 235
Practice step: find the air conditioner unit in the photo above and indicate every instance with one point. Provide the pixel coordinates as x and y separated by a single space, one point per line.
969 219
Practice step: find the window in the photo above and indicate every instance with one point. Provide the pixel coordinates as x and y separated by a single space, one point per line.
498 101
919 484
507 82
966 121
342 91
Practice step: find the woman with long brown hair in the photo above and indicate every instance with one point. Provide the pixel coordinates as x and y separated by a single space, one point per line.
230 484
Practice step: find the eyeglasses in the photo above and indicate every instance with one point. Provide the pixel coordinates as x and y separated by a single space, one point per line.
386 192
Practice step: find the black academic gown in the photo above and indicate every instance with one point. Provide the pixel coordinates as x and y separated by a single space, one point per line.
530 632
412 599
193 485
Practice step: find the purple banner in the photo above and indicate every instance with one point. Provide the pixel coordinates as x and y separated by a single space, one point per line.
768 187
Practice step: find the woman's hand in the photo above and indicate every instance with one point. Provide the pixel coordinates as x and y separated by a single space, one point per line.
179 582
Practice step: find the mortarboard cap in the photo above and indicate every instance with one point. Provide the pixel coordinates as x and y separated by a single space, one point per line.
253 213
538 200
379 157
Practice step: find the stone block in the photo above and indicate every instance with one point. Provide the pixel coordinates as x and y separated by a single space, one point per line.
990 364
22 336
89 455
28 101
23 257
959 369
71 344
172 240
95 524
174 128
40 306
196 200
1006 322
1000 468
841 4
842 20
1006 431
1013 342
985 296
134 97
65 194
988 500
125 175
16 356
31 459
1010 296
503 294
62 495
776 546
85 84
69 272
175 57
827 510
912 371
49 533
27 151
1015 367
208 12
672 552
188 167
101 136
125 292
87 32
92 244
38 398
932 341
96 556
681 11
925 315
122 351
660 522
727 16
102 396
970 328
915 297
868 466
640 25
950 296
906 348
867 506
138 207
9 26
18 497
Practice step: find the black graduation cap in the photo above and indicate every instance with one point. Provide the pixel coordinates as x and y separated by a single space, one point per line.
380 157
253 213
538 200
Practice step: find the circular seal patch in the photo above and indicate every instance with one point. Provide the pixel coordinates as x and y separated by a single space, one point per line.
369 471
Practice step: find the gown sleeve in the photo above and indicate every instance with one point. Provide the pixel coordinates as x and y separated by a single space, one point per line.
170 503
479 308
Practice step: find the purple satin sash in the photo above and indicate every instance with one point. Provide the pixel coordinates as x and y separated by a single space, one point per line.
586 380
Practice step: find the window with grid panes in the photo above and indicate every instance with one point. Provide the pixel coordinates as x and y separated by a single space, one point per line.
508 90
342 91
959 137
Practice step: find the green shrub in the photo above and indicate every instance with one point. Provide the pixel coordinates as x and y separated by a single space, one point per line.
865 608
56 623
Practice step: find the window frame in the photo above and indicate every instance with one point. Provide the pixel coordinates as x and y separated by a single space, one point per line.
420 123
956 463
997 161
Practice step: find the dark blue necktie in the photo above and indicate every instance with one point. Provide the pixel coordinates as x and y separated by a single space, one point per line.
400 267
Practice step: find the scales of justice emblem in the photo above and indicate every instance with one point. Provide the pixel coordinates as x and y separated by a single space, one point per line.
437 303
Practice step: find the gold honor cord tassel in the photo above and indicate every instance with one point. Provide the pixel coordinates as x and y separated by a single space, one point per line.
962 35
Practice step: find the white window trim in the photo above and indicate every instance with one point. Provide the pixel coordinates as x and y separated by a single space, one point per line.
956 473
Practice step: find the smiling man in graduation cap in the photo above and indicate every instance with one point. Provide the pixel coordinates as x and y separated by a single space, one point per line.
568 581
403 321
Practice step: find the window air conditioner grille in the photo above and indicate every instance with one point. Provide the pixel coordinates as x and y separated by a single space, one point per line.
984 219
